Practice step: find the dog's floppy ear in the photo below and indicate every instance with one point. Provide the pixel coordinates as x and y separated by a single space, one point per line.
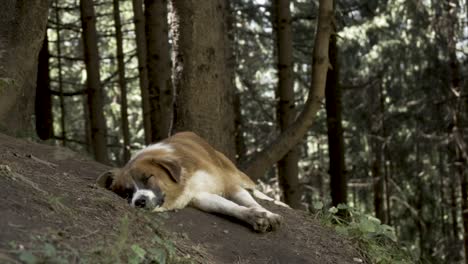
172 167
106 179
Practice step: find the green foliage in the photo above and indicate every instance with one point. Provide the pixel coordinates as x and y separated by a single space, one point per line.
45 253
154 248
377 241
127 247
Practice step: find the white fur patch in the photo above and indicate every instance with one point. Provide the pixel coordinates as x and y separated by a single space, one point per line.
158 146
142 193
200 182
217 204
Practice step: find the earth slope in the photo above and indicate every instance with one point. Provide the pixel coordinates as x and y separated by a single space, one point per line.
52 212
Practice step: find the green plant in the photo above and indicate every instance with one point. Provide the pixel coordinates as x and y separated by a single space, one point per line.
47 253
377 241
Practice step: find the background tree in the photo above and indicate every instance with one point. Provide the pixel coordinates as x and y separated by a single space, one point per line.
23 26
159 69
43 97
122 81
203 103
94 90
333 106
288 165
140 39
296 131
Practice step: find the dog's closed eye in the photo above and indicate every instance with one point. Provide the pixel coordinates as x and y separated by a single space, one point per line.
146 178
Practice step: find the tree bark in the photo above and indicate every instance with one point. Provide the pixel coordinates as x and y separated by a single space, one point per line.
43 99
159 68
333 105
141 50
286 112
122 83
94 90
263 160
22 30
203 100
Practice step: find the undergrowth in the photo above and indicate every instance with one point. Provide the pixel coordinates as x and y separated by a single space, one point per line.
125 247
377 242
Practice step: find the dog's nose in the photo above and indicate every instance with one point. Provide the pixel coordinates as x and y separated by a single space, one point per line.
140 202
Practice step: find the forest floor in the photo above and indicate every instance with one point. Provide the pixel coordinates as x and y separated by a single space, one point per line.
52 212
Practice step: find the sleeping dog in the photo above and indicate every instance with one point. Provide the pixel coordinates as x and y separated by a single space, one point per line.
185 170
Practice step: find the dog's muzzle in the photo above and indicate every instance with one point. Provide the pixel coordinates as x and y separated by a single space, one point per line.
147 199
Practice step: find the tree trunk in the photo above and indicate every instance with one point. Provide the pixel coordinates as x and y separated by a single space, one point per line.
378 186
139 21
458 110
58 42
22 30
203 100
263 160
240 148
43 100
94 90
122 82
376 152
333 106
286 112
159 68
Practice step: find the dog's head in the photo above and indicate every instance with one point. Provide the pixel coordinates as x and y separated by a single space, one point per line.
144 182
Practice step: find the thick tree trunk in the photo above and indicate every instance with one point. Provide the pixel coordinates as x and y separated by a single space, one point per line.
43 99
94 90
122 82
203 100
159 68
337 170
263 160
139 21
22 30
286 113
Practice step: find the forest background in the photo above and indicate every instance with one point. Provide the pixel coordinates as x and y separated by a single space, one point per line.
389 139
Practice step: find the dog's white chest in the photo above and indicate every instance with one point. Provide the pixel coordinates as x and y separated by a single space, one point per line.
201 181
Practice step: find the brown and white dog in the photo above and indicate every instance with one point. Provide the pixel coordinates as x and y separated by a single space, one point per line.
185 170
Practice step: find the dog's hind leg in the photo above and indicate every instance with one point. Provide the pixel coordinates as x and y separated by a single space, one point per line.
243 197
260 219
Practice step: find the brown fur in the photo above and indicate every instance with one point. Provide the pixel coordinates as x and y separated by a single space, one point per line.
191 153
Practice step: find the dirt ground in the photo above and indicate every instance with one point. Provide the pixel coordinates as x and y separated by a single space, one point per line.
52 212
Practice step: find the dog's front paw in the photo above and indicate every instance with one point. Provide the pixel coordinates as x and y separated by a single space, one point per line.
263 220
160 209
